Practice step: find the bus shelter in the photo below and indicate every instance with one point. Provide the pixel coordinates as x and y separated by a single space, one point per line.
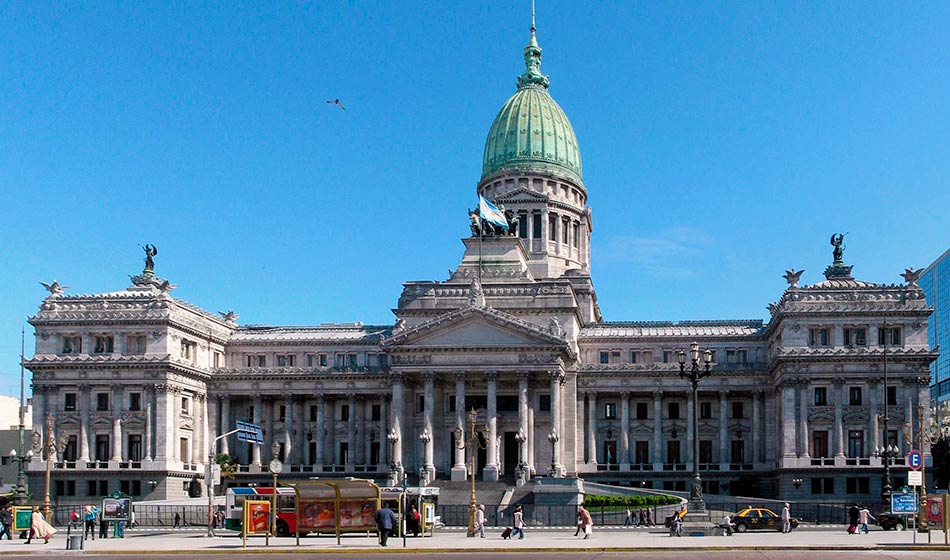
423 498
340 506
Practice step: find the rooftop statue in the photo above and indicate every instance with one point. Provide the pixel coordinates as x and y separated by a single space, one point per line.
837 241
150 251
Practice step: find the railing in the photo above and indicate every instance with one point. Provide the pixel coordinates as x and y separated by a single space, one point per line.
550 516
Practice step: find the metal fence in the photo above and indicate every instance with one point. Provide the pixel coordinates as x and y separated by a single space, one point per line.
147 515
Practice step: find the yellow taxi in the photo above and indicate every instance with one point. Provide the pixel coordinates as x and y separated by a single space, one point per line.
756 519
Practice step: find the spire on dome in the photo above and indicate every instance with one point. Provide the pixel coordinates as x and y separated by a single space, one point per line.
532 76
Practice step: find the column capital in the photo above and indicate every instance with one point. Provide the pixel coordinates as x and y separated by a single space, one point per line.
427 375
491 376
723 393
459 375
658 394
351 397
523 375
625 394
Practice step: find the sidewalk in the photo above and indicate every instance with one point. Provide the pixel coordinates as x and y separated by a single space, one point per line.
454 540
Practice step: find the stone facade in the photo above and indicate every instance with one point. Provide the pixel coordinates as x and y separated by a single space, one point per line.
141 383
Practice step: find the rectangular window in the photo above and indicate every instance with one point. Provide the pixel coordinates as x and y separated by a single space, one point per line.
344 452
705 410
854 396
375 413
605 357
818 337
135 344
523 225
218 359
705 451
135 447
282 413
72 345
552 227
819 443
673 410
189 350
261 361
102 447
285 360
890 336
892 396
855 443
72 446
135 401
92 488
351 360
450 406
104 345
633 357
324 360
668 357
536 225
858 485
577 235
311 359
673 451
855 336
821 396
641 452
102 402
737 451
69 401
738 409
185 405
642 408
313 413
564 229
544 403
610 410
823 485
344 412
249 361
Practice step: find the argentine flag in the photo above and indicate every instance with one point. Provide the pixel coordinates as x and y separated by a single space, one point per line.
488 212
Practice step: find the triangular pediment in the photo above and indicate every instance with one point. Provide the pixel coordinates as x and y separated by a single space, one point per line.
475 327
521 194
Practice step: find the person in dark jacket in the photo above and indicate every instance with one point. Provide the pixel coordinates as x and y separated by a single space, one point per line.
853 514
385 521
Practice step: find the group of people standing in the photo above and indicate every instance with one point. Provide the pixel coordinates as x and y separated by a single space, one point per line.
640 518
858 518
39 528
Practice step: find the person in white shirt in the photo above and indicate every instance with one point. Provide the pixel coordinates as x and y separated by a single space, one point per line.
480 521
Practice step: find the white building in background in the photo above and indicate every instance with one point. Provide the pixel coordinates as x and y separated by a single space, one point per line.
139 382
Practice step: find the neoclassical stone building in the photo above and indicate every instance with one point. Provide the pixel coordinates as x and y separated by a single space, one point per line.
140 383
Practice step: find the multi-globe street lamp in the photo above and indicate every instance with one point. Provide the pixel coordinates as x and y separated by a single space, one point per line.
697 370
473 443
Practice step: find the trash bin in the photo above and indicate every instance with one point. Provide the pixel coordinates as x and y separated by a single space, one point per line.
74 542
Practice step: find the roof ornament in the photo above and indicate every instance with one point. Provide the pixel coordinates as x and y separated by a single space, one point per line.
532 76
54 289
150 251
911 276
229 316
792 276
476 296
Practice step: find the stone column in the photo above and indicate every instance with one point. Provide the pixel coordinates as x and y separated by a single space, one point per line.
839 417
523 416
556 379
788 420
490 472
289 455
592 429
350 432
459 469
368 431
205 444
624 458
175 417
691 409
724 455
329 423
384 431
428 379
85 404
658 430
910 416
361 430
225 423
803 430
256 420
149 444
398 409
923 402
319 433
116 422
874 405
756 427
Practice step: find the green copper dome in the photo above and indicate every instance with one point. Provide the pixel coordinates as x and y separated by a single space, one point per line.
531 130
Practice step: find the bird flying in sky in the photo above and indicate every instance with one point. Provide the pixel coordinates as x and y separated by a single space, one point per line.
337 103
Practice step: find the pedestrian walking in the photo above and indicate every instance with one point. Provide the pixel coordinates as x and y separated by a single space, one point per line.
650 518
118 529
518 523
177 524
480 521
385 521
629 520
39 527
580 522
786 519
854 515
642 521
6 519
588 521
103 527
89 517
863 517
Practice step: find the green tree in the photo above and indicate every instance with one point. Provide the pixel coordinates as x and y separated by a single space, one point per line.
228 464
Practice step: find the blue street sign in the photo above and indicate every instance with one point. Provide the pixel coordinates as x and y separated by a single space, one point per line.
915 460
904 503
249 432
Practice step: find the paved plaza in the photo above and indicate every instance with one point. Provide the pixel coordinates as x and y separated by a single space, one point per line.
540 540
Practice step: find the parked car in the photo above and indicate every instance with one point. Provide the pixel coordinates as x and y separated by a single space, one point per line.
755 519
889 520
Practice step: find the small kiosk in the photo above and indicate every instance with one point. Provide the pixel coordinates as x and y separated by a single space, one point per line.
257 520
338 506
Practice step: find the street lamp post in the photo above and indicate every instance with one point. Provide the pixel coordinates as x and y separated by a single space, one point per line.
927 434
425 437
21 497
520 472
473 444
393 438
697 371
47 447
553 438
886 488
276 467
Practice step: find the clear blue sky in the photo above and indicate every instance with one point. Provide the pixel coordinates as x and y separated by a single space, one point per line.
722 144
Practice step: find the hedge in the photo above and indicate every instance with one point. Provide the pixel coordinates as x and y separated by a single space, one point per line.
633 501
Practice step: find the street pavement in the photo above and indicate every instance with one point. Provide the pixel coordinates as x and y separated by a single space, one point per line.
536 541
